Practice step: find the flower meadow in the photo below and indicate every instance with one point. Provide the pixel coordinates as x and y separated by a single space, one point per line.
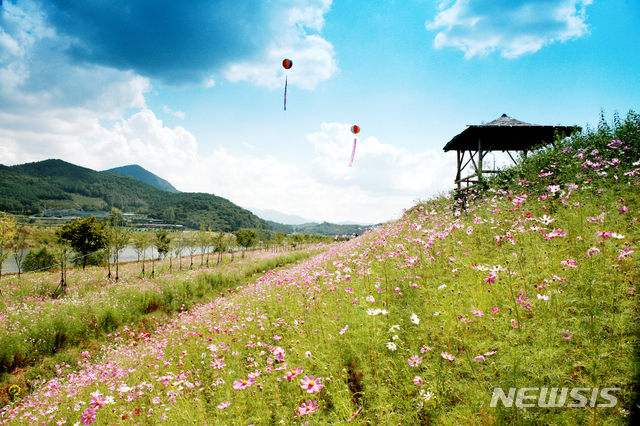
530 283
34 324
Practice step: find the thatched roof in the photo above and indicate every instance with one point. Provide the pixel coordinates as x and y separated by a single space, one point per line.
505 134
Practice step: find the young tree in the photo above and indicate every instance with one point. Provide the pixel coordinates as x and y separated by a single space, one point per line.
163 245
246 238
38 260
203 242
141 243
63 254
191 243
7 233
19 246
178 248
117 238
85 236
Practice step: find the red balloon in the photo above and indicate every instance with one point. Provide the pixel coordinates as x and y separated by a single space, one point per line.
287 63
355 129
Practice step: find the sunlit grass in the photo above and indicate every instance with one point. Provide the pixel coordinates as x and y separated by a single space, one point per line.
416 322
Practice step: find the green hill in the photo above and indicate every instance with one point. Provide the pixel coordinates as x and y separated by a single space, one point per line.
55 184
137 172
324 228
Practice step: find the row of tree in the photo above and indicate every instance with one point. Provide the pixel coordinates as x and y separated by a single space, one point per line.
98 241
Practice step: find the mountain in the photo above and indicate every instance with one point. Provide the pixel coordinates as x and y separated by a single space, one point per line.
137 172
55 184
324 228
276 216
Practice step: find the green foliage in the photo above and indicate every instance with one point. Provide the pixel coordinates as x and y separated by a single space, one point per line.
39 260
324 228
28 188
163 243
86 236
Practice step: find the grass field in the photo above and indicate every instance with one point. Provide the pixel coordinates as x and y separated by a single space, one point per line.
518 307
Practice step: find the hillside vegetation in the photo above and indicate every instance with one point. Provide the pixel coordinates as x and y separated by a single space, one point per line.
55 184
137 172
531 284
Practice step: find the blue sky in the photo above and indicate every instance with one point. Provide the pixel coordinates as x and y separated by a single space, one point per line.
193 90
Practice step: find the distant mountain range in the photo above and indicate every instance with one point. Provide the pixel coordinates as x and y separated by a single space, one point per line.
137 172
31 188
276 216
55 184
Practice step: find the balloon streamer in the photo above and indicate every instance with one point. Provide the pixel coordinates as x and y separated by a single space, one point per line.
286 64
285 93
353 152
355 129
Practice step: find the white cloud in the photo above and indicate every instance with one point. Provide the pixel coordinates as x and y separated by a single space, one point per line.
178 113
515 28
312 55
383 180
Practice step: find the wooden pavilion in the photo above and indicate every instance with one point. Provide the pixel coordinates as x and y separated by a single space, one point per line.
503 134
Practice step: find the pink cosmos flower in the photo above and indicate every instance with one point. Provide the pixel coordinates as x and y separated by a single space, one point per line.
414 361
479 358
514 323
566 334
244 383
425 349
307 354
448 356
354 414
495 310
88 416
344 330
592 252
625 252
224 405
311 384
477 314
623 209
490 353
491 279
570 263
218 364
279 353
293 373
61 421
418 381
97 402
307 408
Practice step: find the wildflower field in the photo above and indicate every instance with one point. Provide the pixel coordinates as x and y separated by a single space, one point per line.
531 283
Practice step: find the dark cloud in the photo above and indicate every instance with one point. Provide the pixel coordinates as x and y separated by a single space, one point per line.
173 41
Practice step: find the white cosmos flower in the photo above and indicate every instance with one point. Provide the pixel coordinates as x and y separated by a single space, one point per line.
391 346
415 319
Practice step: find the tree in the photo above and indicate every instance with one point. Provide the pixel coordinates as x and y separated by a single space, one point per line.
141 242
38 260
19 245
117 239
7 233
203 242
178 248
191 243
85 236
246 238
162 243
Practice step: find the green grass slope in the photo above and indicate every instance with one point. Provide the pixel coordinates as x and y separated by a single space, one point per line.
530 285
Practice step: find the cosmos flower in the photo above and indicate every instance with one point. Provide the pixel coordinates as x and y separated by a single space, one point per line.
311 384
448 356
307 407
88 416
244 383
414 361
